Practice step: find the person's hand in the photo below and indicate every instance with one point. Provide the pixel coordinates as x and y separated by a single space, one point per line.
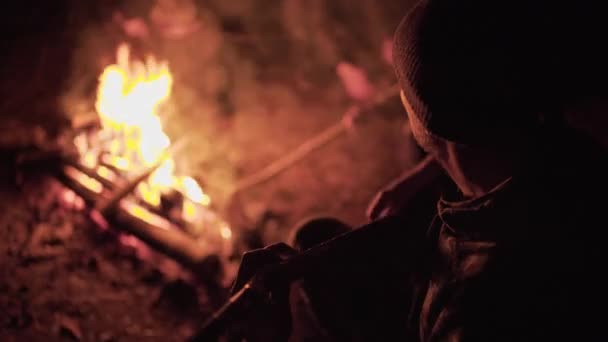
386 202
271 321
396 196
393 198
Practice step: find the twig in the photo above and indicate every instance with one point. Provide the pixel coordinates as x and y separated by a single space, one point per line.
69 180
104 206
310 145
153 229
107 205
91 173
162 235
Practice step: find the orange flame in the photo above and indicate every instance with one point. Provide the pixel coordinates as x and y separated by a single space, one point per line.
129 99
132 140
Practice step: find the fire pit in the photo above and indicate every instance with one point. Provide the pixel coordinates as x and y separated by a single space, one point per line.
125 170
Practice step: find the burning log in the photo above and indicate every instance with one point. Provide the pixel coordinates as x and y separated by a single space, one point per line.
161 234
152 228
92 174
83 185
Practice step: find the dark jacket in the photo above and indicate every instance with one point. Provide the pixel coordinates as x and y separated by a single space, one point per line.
523 263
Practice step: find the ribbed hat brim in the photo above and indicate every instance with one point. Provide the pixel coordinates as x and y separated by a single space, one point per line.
476 71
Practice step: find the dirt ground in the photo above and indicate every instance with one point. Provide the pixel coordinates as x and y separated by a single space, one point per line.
255 81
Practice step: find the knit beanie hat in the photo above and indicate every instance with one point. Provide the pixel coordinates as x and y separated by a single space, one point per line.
478 71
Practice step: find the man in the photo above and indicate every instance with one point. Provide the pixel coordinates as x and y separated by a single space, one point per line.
516 249
517 242
514 258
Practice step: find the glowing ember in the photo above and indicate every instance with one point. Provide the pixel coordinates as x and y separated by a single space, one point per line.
145 215
226 232
131 141
106 173
69 199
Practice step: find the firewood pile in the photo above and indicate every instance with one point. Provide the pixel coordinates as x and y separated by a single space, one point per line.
119 164
112 202
110 198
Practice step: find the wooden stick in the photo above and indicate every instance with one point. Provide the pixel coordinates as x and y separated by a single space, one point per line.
89 196
106 205
255 292
161 234
91 173
114 168
159 211
283 163
152 228
321 139
120 194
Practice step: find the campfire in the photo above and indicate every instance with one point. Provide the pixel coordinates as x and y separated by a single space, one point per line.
126 171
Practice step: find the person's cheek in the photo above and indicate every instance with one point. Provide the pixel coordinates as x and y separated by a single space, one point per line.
421 138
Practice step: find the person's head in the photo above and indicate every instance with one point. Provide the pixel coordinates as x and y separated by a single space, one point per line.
475 169
479 78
